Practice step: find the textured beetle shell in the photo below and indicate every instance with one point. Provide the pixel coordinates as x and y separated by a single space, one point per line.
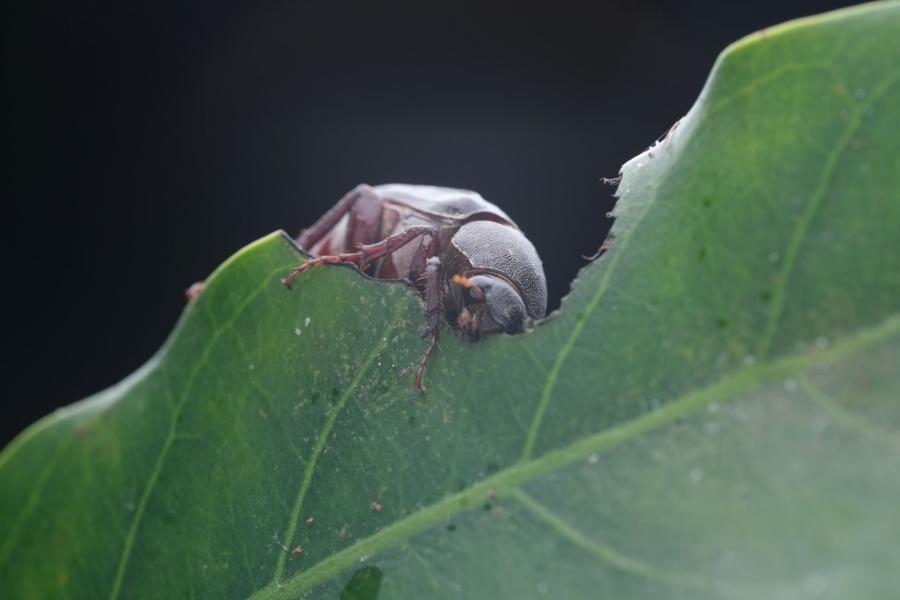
505 249
445 203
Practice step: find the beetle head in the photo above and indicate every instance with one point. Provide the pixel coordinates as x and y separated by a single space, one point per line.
489 303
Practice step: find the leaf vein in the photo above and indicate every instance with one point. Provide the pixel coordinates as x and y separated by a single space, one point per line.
321 440
171 435
779 293
569 344
607 553
847 418
32 502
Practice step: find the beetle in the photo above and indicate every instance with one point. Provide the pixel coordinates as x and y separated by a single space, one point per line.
470 261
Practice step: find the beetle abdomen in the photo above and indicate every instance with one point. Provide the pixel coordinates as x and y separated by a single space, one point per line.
506 250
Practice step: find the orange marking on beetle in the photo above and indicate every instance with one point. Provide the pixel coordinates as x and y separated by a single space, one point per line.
463 281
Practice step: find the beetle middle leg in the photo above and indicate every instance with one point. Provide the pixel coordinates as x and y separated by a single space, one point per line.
365 254
433 311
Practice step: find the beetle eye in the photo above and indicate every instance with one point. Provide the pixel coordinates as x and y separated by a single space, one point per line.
505 309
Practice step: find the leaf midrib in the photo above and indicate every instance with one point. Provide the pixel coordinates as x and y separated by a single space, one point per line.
509 479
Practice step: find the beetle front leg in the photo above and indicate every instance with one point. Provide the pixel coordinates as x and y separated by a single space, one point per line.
366 252
433 308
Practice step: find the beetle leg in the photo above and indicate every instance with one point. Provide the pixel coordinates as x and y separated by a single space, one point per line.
606 245
433 310
433 295
309 237
366 252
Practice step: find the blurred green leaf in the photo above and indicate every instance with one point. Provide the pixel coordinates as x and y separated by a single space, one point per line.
714 412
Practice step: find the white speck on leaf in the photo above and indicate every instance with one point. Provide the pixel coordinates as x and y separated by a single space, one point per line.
711 428
815 584
820 423
307 321
695 475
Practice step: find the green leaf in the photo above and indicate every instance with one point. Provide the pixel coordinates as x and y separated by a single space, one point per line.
714 412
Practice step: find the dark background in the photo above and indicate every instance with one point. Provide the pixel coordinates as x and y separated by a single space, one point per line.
147 143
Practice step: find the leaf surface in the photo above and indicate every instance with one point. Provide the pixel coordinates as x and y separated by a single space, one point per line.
714 413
